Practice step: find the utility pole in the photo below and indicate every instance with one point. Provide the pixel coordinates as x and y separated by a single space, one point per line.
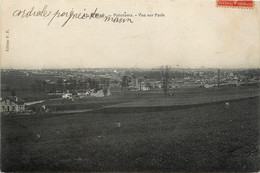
166 79
218 77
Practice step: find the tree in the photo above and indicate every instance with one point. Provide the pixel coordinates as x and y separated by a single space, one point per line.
59 84
106 84
13 92
166 80
105 91
134 78
43 85
8 90
140 80
125 82
93 84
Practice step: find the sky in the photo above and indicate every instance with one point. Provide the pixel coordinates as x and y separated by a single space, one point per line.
191 34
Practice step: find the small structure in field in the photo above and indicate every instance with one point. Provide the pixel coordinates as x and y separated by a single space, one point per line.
67 95
227 105
12 104
208 86
99 93
118 124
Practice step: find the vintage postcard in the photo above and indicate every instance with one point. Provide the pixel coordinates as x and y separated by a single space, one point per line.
130 85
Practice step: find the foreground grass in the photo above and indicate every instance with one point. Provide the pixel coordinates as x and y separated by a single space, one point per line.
205 138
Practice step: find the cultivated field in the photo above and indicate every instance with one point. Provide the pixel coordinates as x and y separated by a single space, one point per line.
202 137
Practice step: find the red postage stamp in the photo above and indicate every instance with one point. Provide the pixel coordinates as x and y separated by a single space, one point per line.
235 3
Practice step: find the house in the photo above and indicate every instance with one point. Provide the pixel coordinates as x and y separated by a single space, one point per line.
83 93
145 88
208 86
67 95
12 104
99 93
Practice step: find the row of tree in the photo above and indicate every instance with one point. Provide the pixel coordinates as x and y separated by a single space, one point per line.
60 85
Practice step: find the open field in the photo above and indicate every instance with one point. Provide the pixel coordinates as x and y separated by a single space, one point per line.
147 99
193 96
206 137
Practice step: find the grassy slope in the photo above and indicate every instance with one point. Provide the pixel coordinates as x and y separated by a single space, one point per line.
193 96
205 138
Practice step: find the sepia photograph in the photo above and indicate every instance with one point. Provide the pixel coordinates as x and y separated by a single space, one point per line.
130 86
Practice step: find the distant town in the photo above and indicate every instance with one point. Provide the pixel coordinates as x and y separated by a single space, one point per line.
35 86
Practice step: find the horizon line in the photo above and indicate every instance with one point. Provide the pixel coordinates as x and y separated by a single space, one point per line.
130 68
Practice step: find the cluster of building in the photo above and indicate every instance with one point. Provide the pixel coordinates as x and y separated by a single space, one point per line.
85 93
12 104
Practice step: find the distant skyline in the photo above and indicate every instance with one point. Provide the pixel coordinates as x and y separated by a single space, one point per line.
152 68
191 35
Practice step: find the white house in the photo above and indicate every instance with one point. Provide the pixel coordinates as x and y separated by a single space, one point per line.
83 93
67 95
12 104
208 86
99 93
